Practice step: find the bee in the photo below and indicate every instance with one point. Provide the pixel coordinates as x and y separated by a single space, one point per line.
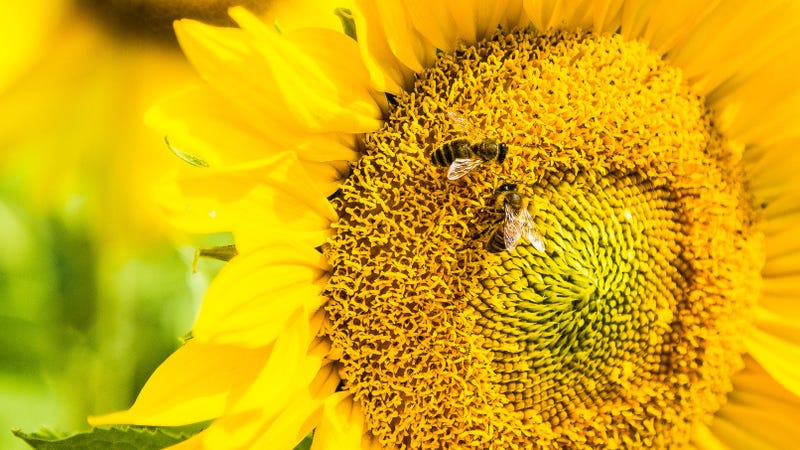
465 154
517 222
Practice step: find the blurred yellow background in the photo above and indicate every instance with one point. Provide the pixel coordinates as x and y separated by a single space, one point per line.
94 287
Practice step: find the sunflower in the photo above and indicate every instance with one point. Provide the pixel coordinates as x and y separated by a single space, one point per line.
491 225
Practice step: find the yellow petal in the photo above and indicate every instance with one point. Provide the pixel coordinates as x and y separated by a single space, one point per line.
600 16
407 44
759 413
754 32
788 286
386 72
782 311
302 415
265 201
663 25
194 384
297 79
705 439
319 72
778 356
783 256
514 18
485 17
764 114
201 122
435 21
781 323
253 297
771 171
295 15
449 23
282 406
341 426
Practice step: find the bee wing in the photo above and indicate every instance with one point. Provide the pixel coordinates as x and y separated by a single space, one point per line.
457 119
512 228
536 239
461 123
529 230
462 166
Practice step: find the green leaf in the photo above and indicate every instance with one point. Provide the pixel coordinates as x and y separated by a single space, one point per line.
305 444
348 24
186 157
220 253
124 437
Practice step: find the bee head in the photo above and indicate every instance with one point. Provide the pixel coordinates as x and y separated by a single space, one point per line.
507 187
502 151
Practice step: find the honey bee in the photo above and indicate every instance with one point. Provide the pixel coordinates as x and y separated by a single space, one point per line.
517 222
465 154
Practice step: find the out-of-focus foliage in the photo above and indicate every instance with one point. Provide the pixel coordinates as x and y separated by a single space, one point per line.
94 293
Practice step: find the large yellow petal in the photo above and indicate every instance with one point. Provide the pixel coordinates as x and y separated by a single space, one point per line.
194 384
771 171
406 43
766 102
779 319
663 25
265 201
760 413
386 72
435 21
302 415
310 79
341 426
284 404
600 16
320 73
704 439
778 356
254 296
295 15
204 124
754 32
449 23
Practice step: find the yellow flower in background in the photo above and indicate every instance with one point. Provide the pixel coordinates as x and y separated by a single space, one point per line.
83 240
73 102
651 144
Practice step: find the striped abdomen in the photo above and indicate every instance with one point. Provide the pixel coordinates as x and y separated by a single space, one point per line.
497 240
451 151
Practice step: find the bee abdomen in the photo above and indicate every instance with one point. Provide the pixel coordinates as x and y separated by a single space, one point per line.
497 241
450 151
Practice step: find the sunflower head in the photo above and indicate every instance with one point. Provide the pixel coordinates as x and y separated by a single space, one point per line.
550 237
637 301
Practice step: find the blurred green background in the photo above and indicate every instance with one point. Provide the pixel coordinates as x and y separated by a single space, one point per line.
95 287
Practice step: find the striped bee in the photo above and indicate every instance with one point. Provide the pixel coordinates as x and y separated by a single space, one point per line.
465 154
517 222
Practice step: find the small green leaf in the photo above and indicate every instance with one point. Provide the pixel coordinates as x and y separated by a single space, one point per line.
348 24
124 437
305 444
187 157
220 253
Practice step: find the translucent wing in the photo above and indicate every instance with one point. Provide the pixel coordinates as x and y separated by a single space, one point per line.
457 119
512 229
536 239
529 230
461 123
462 166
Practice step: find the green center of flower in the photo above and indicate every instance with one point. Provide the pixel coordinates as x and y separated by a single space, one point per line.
623 332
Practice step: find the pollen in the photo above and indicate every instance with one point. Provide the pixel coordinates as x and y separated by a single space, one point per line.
623 332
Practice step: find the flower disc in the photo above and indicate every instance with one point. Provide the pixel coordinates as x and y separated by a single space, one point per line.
624 332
